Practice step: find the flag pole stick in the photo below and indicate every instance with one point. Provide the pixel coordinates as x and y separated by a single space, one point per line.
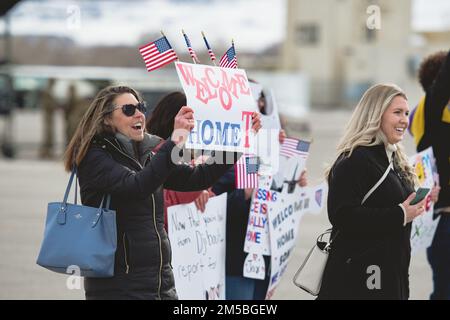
185 39
168 42
209 48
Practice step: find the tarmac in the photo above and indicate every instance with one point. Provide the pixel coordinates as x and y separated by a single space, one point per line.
27 184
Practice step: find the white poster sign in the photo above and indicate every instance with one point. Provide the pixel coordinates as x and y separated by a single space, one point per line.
424 227
284 211
223 104
269 191
257 236
284 220
254 266
198 249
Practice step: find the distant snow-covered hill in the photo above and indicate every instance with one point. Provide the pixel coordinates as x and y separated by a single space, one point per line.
253 24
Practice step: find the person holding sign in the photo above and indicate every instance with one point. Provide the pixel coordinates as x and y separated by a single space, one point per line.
113 155
430 126
160 123
370 251
237 286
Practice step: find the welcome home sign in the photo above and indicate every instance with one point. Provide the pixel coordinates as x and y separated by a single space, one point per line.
223 104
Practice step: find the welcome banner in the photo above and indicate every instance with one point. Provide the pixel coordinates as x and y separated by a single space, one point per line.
223 104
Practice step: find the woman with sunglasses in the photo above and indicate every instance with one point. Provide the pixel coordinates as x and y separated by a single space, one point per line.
113 155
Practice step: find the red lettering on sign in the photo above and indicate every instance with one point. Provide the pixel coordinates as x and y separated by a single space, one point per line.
247 115
225 87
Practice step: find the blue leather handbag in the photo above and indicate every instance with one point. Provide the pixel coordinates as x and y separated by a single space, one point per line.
78 237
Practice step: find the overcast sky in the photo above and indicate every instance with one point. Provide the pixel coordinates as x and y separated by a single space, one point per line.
253 24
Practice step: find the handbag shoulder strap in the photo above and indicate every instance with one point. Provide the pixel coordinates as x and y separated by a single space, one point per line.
380 181
66 194
74 174
368 194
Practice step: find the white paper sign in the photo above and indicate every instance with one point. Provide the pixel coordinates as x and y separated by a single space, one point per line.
424 227
223 104
254 266
257 235
284 220
198 249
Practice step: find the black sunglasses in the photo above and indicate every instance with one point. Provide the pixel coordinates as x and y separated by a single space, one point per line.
130 109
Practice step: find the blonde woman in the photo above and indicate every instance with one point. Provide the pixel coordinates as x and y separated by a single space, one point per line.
113 154
371 249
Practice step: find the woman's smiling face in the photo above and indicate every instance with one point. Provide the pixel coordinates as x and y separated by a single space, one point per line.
130 126
395 120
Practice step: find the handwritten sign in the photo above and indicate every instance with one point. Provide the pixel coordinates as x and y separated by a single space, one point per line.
198 249
223 104
257 236
424 227
254 266
283 228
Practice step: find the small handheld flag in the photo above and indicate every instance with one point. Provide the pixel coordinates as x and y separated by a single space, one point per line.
229 59
157 54
293 146
191 51
246 172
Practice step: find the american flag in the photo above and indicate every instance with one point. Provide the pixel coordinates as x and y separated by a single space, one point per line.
229 60
191 51
210 52
157 54
293 146
246 172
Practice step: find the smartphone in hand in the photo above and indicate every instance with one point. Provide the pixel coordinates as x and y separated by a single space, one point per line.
421 193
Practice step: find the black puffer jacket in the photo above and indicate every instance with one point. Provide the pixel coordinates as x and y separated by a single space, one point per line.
143 257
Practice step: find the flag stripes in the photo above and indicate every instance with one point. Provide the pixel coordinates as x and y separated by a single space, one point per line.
293 146
157 54
246 172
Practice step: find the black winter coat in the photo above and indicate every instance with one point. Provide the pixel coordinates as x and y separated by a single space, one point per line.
372 243
143 257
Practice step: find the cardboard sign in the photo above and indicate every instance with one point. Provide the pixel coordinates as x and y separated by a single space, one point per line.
223 104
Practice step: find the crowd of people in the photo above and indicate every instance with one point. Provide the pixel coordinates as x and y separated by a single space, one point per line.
118 151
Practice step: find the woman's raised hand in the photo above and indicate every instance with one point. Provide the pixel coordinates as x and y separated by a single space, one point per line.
182 125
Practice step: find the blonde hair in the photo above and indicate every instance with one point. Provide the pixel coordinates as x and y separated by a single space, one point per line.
364 127
93 123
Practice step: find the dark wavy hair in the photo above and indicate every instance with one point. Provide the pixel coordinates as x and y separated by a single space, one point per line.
160 123
429 68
